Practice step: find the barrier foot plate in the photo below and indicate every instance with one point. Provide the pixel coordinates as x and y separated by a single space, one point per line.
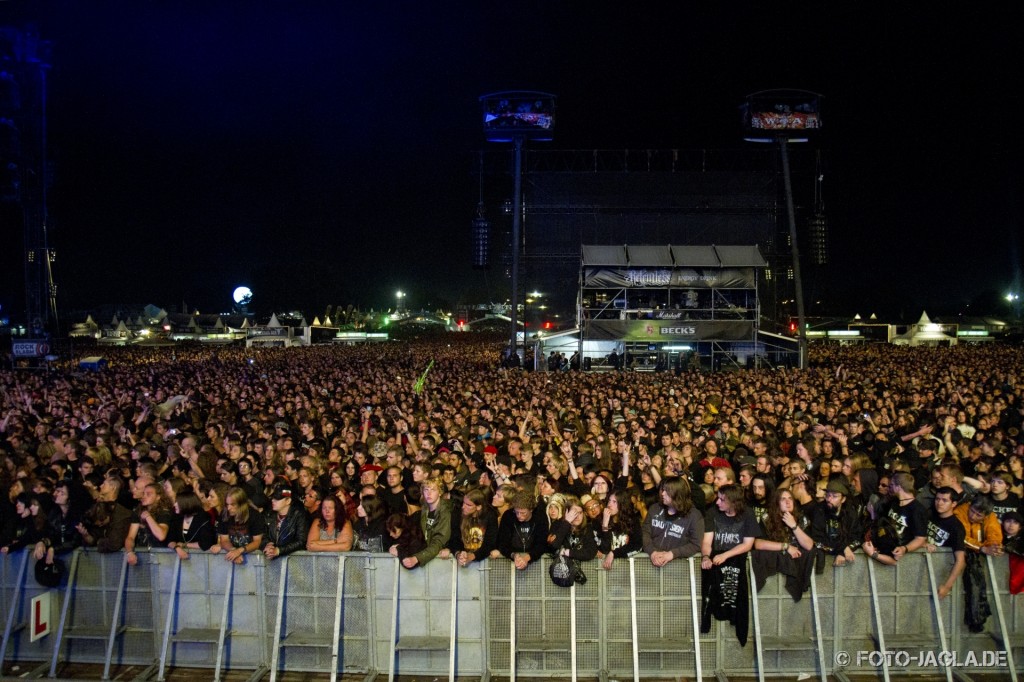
39 671
147 672
258 674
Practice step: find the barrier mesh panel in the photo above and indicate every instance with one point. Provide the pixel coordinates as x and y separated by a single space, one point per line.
139 614
355 618
604 638
19 647
787 625
91 609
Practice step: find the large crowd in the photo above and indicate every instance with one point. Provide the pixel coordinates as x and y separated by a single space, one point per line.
433 449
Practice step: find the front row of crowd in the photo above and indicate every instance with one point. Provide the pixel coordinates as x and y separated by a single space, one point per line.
470 507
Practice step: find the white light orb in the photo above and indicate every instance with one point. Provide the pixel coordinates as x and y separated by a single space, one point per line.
242 295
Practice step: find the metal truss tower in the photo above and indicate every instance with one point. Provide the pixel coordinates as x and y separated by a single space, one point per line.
25 179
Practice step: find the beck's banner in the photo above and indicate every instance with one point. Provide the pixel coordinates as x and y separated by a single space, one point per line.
654 331
682 278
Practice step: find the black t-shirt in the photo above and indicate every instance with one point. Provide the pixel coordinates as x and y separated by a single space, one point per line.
144 538
730 531
946 532
242 534
911 519
1003 507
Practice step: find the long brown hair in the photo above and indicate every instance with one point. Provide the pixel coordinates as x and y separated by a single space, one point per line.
678 490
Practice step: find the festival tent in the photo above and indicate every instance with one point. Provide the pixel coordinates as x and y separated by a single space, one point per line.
925 333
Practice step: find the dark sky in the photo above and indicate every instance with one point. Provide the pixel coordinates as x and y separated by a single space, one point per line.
322 152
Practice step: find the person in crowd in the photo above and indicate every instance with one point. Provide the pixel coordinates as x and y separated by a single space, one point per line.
240 529
105 524
393 494
522 533
475 529
331 530
311 499
1013 547
674 528
501 501
570 535
836 527
435 522
287 526
945 530
983 535
729 534
150 522
909 517
620 533
191 529
1003 500
762 489
369 528
62 523
406 537
28 524
729 530
212 494
785 545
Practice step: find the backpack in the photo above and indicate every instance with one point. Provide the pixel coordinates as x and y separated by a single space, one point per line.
884 534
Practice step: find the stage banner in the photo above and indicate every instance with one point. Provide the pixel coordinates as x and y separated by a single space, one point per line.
654 331
654 278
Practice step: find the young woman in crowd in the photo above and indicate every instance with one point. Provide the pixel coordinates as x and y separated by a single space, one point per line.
339 490
570 536
240 528
331 530
405 536
477 533
150 523
191 528
620 531
172 487
27 525
369 528
212 495
785 527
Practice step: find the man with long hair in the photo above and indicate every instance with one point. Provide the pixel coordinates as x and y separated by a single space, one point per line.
673 528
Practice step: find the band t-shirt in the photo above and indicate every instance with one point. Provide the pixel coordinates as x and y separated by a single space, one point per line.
241 534
730 531
946 532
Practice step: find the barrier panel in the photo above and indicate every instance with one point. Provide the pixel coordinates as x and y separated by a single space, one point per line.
319 613
210 612
363 613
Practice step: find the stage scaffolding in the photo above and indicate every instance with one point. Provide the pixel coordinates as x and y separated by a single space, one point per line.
673 308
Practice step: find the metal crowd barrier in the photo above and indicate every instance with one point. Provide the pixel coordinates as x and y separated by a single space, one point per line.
363 614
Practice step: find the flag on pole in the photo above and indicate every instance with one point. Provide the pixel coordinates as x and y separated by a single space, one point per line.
418 387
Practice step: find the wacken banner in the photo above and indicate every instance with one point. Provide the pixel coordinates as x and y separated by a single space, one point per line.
654 331
690 278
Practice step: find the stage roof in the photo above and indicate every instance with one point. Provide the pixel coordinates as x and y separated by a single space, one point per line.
648 256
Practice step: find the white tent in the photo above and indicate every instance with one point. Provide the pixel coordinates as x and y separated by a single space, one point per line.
925 333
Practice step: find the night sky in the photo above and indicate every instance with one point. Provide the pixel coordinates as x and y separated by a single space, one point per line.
324 154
